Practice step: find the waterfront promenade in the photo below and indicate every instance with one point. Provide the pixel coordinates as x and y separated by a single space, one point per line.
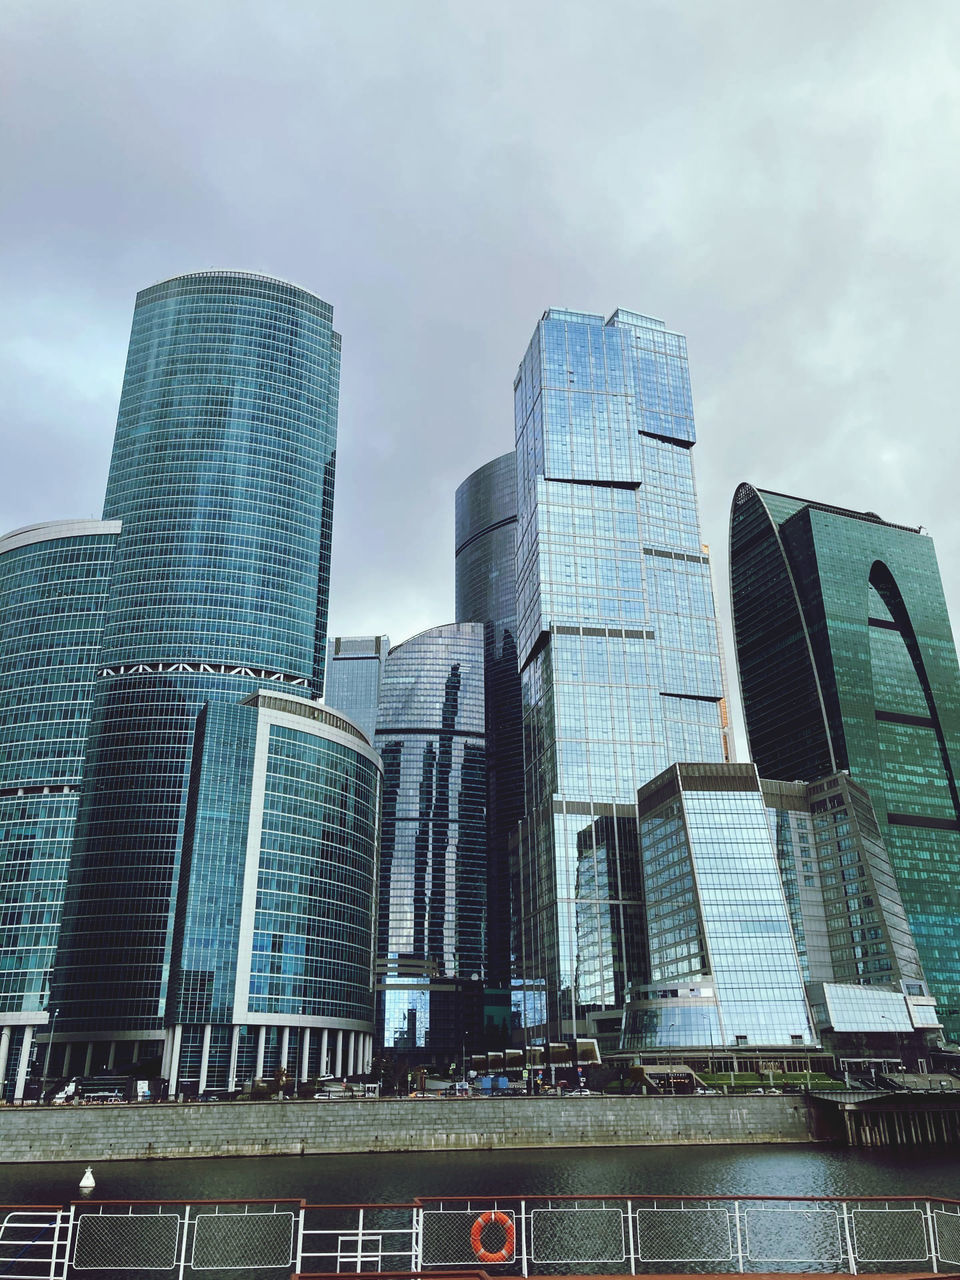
194 1130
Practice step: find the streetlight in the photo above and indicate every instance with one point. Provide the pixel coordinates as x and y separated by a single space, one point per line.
46 1056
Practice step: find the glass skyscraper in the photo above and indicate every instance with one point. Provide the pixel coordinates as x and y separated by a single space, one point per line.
617 640
486 592
54 580
845 907
273 944
432 898
722 965
354 672
222 474
847 661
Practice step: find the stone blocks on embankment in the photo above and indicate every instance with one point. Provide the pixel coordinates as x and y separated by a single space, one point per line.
176 1131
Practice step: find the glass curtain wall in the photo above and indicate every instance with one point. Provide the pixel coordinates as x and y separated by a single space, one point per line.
354 672
274 930
486 589
54 582
724 968
617 636
222 473
432 897
847 661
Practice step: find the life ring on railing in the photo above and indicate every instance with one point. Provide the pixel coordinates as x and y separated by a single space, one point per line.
510 1237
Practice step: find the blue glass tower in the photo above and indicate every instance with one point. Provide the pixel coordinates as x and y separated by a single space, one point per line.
354 671
273 944
617 641
723 964
222 474
54 580
432 900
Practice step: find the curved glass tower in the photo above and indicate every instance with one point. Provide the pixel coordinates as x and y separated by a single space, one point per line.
54 580
847 662
430 735
222 473
486 587
273 945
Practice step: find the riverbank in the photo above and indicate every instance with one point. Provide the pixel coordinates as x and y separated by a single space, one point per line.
184 1131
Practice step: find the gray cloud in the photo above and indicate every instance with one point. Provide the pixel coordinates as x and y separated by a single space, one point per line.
777 181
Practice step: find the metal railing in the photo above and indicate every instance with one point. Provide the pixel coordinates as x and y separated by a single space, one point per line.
463 1237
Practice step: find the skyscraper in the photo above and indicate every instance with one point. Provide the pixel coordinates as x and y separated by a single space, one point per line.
432 899
54 580
486 592
617 639
354 672
722 964
845 907
273 943
222 474
856 950
847 661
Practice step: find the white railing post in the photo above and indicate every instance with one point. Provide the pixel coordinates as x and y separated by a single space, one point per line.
932 1233
523 1239
848 1236
737 1229
360 1241
183 1242
633 1251
416 1252
300 1226
56 1244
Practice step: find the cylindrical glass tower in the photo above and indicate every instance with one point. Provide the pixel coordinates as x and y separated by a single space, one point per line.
432 900
222 473
486 573
54 580
273 943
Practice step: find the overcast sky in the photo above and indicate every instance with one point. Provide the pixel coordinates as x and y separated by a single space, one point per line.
778 180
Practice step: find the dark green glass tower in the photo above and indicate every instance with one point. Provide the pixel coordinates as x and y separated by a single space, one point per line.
847 661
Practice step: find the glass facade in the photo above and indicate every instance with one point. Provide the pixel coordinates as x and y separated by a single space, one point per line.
617 635
54 580
723 968
432 895
354 672
486 592
222 474
845 907
274 928
847 661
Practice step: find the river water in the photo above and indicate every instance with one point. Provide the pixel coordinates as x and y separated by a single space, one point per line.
399 1177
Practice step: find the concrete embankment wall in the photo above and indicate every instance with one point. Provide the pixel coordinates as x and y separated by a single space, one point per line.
168 1131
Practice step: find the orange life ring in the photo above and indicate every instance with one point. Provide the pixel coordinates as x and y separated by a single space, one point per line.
476 1237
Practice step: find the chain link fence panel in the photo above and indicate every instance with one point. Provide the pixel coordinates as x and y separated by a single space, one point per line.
577 1235
889 1235
792 1235
946 1228
445 1239
242 1241
683 1235
126 1241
